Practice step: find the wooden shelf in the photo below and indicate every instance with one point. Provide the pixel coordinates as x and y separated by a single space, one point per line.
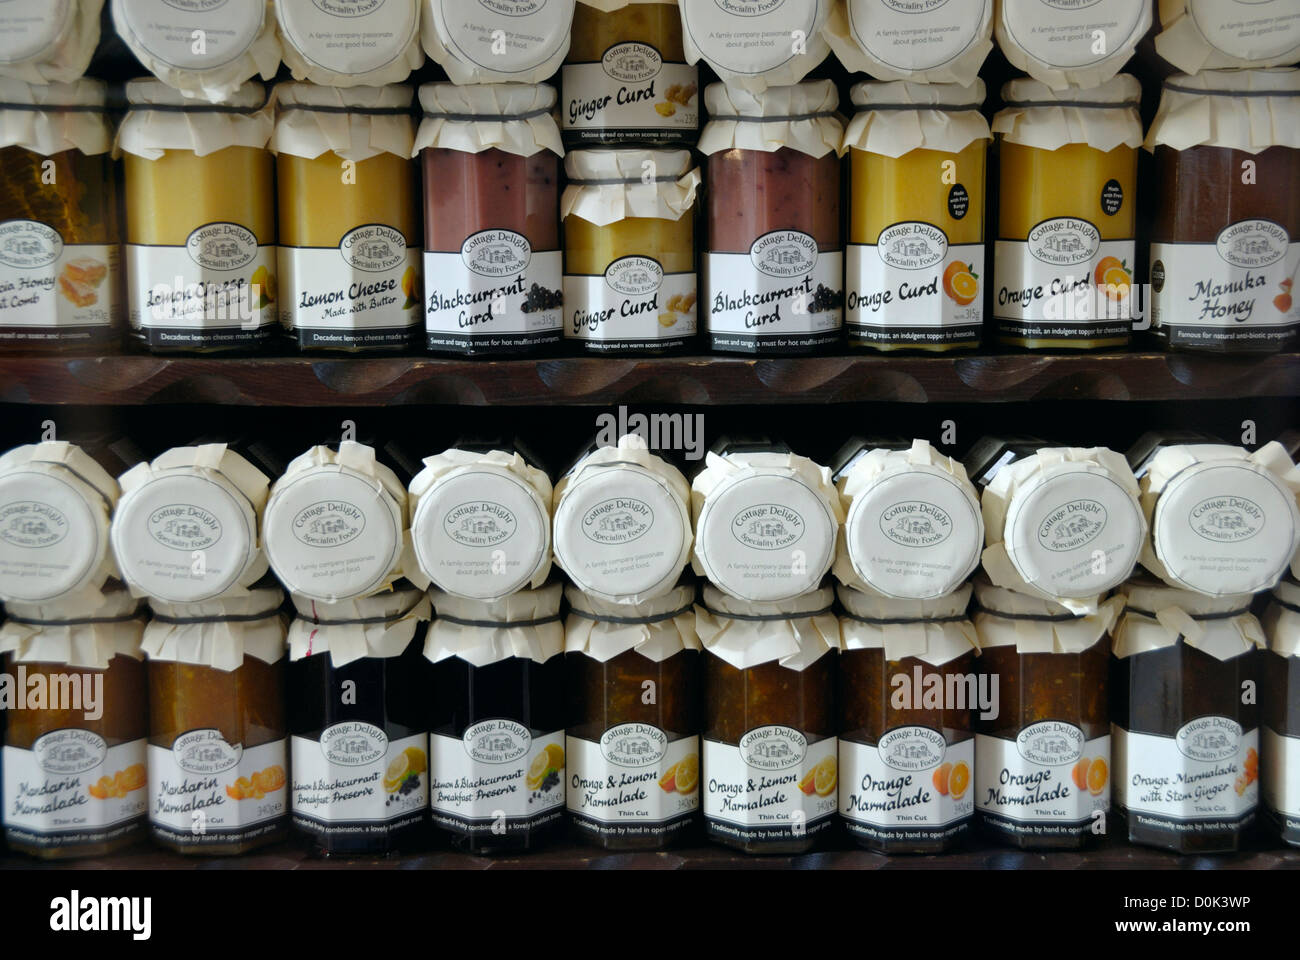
308 382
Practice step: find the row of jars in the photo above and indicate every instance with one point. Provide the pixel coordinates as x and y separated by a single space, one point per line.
908 722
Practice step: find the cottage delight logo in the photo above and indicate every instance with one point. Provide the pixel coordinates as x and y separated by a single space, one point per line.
784 254
513 8
617 521
1050 743
1064 241
348 8
1253 243
353 744
28 245
914 6
69 752
32 525
1072 525
204 752
497 741
222 246
1226 519
183 526
635 276
773 748
1209 739
912 246
329 523
634 745
1068 5
480 523
632 62
373 248
496 253
767 526
912 748
196 6
915 523
749 8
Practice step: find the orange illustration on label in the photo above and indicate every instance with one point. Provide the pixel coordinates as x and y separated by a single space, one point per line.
134 777
961 283
258 785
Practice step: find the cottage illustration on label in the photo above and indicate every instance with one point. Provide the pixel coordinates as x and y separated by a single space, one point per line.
1072 525
1064 241
633 745
481 523
222 246
1253 244
768 526
635 276
497 741
353 743
373 247
1051 743
184 526
784 254
915 523
912 245
1209 739
69 752
773 747
329 523
1226 519
912 748
32 525
205 752
29 245
618 521
496 253
632 62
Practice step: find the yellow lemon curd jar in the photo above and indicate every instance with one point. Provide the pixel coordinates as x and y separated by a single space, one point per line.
625 79
629 275
915 258
200 219
349 217
1063 266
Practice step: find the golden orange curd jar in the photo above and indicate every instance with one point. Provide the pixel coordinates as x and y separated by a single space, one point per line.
1063 262
915 259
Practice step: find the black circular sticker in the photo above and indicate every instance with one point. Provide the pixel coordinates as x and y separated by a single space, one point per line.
1158 276
958 201
1112 198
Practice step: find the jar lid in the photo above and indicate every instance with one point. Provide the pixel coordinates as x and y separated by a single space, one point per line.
239 43
1056 43
802 117
606 186
913 527
1103 117
516 118
796 632
622 524
1247 110
1282 619
355 123
526 625
656 628
185 529
493 42
769 56
86 631
1156 616
936 631
481 523
38 118
55 504
1198 34
381 626
49 42
218 633
927 43
335 525
1037 625
350 44
161 118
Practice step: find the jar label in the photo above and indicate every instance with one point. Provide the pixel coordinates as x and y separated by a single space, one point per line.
750 37
204 791
216 291
1234 293
504 36
914 35
784 294
353 776
366 293
1280 761
1063 283
635 782
633 306
1249 29
1204 779
631 95
912 785
912 288
497 778
1047 782
773 785
72 788
497 294
52 292
1063 33
51 540
350 36
166 31
28 31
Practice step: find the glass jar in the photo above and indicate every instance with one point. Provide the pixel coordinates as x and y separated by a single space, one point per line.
464 39
750 45
1186 747
774 266
59 238
1042 763
916 216
498 757
1057 44
218 740
888 41
350 44
625 79
1279 701
358 686
1200 34
74 768
770 747
1063 262
51 42
200 220
492 258
1223 253
629 252
633 781
906 770
349 218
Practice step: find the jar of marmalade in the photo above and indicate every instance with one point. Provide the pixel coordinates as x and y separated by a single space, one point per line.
1280 712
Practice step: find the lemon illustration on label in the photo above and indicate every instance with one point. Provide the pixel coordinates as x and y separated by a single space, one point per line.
408 288
547 762
263 282
396 772
416 761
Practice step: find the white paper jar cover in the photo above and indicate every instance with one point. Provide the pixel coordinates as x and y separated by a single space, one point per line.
1037 625
86 631
912 526
480 523
782 41
935 631
187 526
1281 619
379 627
1070 44
526 624
656 629
1197 35
343 43
55 505
53 130
927 43
50 41
219 633
1156 616
795 633
497 42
